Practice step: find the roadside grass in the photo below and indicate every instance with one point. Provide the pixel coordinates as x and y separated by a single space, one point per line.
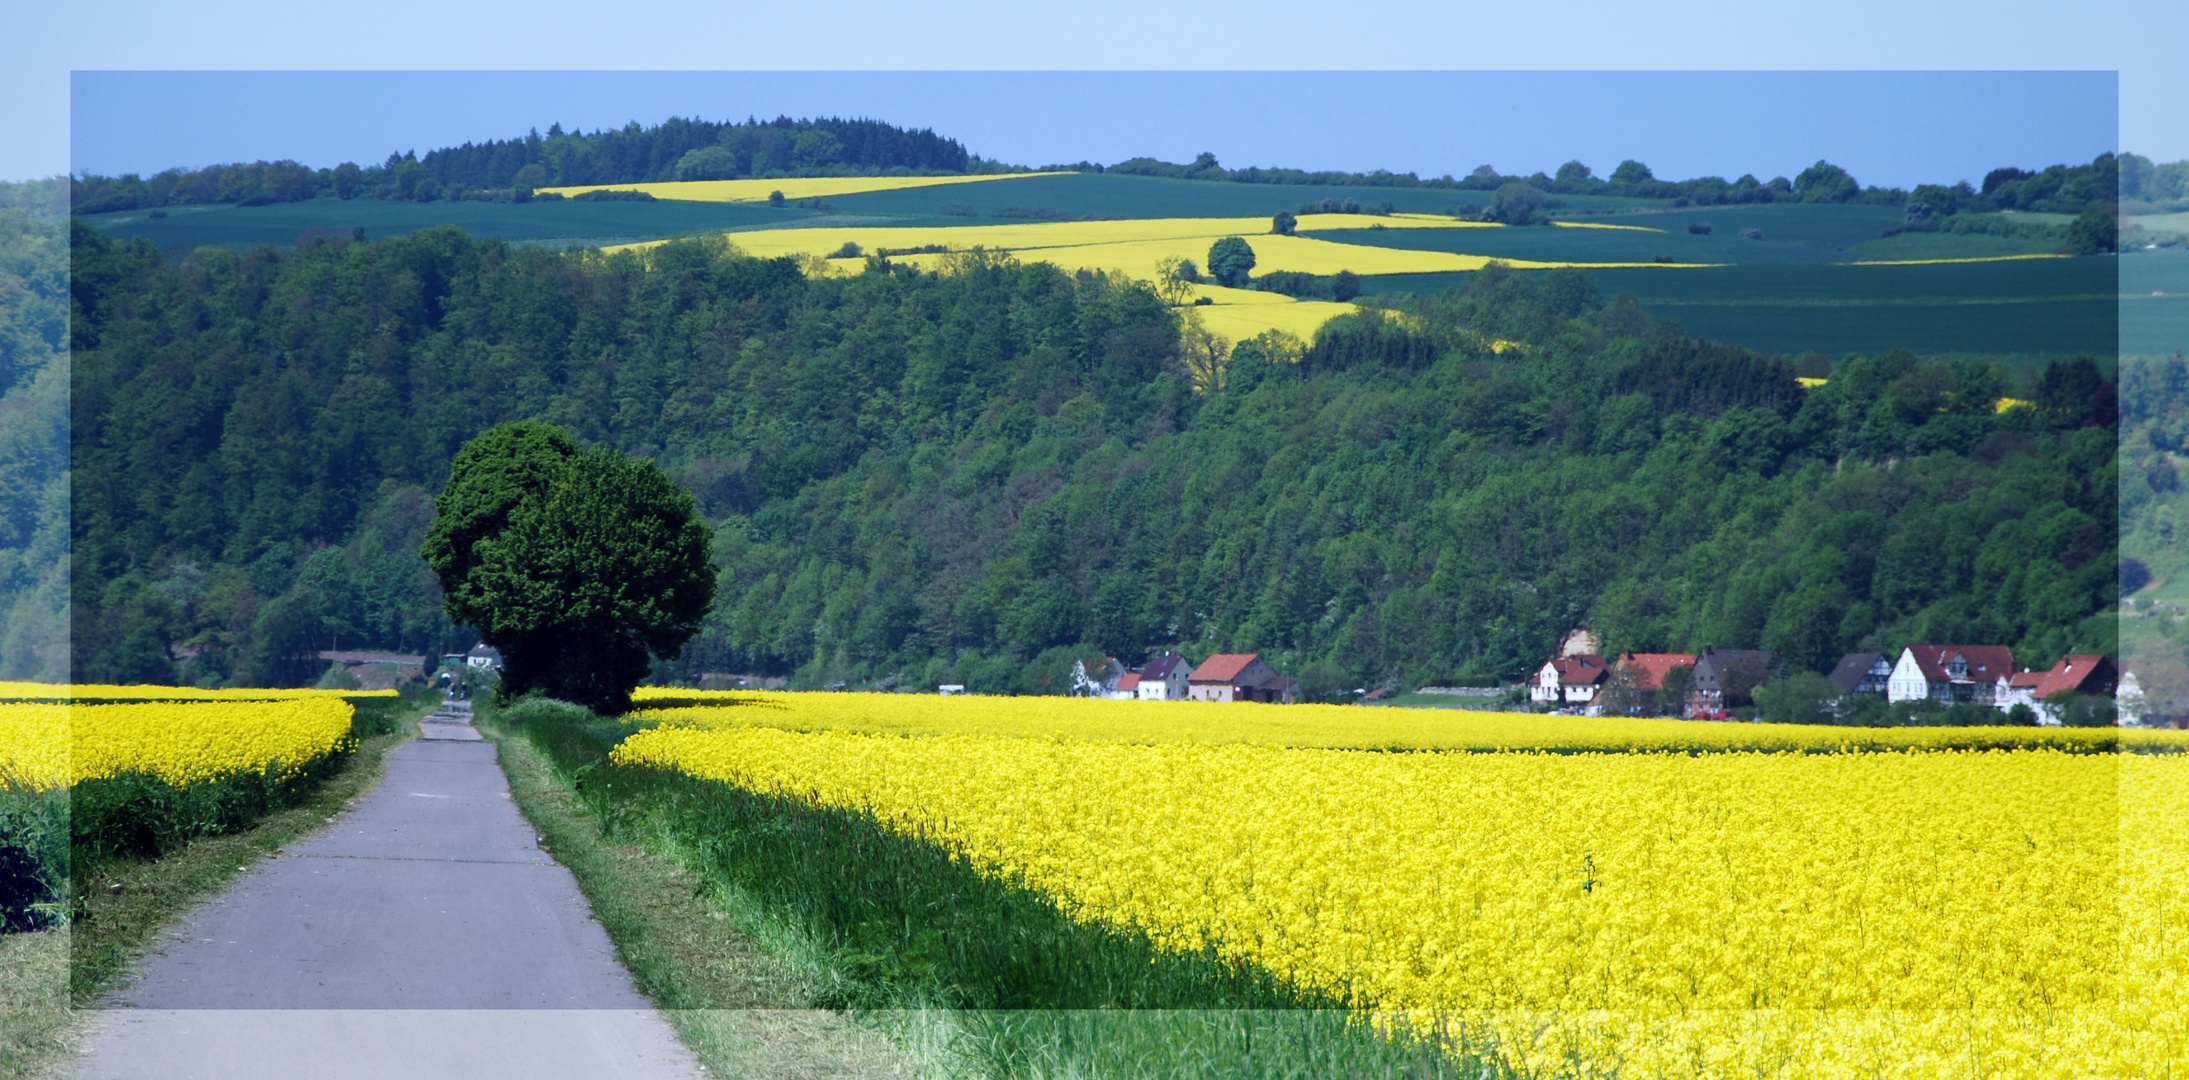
736 983
37 1028
963 975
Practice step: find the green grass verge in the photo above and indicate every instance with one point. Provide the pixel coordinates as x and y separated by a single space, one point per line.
737 986
968 975
37 1027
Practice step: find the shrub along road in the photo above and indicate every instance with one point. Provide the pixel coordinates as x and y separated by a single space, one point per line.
425 935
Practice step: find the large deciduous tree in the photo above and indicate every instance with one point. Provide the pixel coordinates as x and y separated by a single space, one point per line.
578 564
1229 260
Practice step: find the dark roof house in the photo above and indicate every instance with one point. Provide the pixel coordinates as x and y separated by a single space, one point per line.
1862 673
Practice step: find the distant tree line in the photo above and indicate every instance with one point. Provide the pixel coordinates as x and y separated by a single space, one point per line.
693 149
2069 189
47 197
677 149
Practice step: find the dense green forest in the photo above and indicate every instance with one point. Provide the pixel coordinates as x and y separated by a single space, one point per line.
978 473
33 436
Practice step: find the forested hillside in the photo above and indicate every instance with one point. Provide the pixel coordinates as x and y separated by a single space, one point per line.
33 436
975 474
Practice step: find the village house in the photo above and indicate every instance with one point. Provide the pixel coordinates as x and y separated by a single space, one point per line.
1164 679
1950 674
1723 678
1573 680
483 657
1240 677
1862 673
1639 676
2089 674
1649 668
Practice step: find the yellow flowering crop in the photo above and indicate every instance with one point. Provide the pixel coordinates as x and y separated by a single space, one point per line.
54 745
807 187
33 746
30 691
1331 726
1971 259
1132 246
1918 914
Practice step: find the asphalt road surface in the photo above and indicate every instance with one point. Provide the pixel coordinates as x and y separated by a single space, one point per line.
424 934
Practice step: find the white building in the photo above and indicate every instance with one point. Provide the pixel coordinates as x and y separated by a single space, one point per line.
1950 674
1164 679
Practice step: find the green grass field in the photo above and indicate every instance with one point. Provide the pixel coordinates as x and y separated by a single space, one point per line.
563 223
1792 234
2154 308
2030 307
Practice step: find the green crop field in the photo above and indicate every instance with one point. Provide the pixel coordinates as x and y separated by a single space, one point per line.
1792 234
563 223
2025 307
2154 309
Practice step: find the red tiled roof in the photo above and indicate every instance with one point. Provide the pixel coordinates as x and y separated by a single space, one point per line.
1987 663
1222 667
1587 669
1129 682
1650 667
2066 677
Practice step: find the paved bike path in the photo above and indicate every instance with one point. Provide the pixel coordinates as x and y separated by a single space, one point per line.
424 934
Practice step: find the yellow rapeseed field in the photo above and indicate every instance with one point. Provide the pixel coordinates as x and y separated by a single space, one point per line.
1325 726
793 188
1132 246
1972 259
46 745
1918 914
1137 247
31 691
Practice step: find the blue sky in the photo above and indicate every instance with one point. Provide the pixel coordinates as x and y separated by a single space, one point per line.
1890 128
46 41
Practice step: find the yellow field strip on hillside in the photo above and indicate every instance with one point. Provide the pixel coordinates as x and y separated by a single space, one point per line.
805 187
1935 262
55 745
1324 726
30 691
1715 916
1603 225
1131 246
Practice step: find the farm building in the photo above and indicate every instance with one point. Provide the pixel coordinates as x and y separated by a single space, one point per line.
2091 674
1240 677
1723 678
1862 673
1164 679
1950 674
1648 669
